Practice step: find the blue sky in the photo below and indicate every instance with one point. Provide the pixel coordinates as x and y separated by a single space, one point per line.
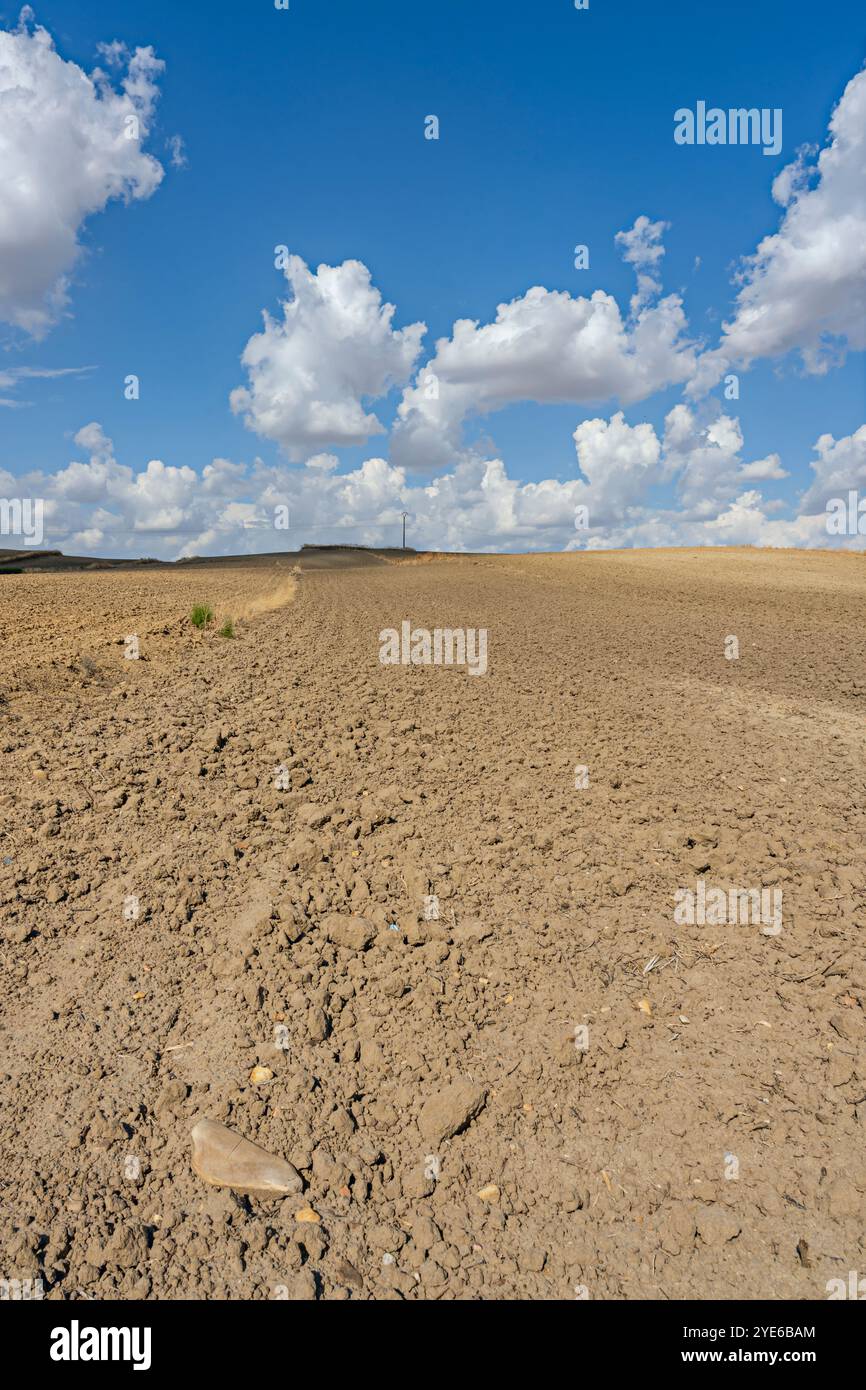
305 128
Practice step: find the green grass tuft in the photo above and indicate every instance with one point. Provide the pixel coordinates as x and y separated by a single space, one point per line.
201 615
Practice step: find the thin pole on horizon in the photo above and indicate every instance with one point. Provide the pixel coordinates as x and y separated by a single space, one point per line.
404 516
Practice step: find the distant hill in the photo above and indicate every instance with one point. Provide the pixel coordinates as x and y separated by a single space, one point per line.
308 557
49 560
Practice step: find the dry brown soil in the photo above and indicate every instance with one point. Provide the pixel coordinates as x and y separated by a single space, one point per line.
708 1142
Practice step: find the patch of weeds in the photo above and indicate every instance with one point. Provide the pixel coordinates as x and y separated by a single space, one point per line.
201 615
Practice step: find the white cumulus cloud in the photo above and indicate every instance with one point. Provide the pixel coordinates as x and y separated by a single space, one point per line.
64 154
311 372
805 287
839 467
547 346
95 505
643 248
620 463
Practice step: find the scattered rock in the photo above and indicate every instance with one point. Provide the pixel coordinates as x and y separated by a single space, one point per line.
318 1024
352 933
225 1158
451 1110
840 1069
307 1214
346 1273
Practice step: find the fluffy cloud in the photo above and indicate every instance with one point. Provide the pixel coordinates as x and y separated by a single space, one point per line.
105 497
642 248
96 505
620 463
768 469
745 520
701 458
705 457
64 153
840 466
549 347
805 286
310 373
99 506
